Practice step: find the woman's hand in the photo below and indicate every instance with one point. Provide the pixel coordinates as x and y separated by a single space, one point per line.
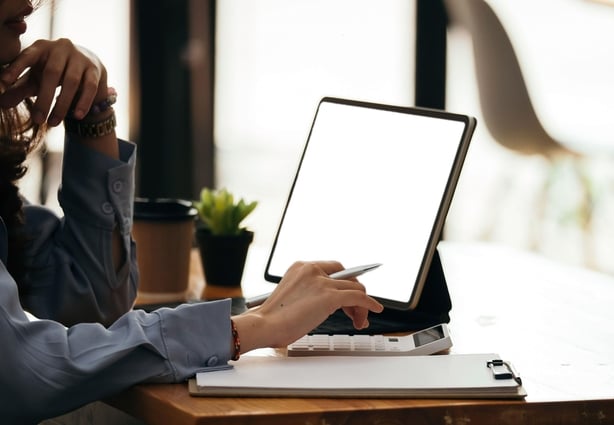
303 299
49 65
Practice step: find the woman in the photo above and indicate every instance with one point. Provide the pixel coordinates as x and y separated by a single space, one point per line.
78 272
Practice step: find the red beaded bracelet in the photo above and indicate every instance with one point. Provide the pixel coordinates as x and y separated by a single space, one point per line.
236 341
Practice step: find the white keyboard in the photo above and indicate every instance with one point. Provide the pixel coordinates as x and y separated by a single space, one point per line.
425 342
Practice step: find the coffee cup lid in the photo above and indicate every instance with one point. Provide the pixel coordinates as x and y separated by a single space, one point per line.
163 209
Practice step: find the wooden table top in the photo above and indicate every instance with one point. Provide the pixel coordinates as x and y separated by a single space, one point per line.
553 321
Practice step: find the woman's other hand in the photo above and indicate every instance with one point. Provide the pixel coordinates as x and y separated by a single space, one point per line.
44 66
304 298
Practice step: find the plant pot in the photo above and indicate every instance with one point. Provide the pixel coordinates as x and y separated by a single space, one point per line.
223 257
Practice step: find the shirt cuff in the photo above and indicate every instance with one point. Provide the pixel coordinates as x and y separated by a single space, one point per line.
196 336
96 188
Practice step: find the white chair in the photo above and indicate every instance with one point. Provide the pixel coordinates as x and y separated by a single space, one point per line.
506 104
508 112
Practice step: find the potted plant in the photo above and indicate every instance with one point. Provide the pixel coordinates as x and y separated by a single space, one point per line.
223 241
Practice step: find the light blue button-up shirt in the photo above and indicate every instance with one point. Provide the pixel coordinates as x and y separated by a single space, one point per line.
54 365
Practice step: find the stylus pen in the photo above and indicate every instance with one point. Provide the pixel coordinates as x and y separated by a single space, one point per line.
342 274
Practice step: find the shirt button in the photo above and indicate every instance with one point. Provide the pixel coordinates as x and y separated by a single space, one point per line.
107 208
117 186
212 361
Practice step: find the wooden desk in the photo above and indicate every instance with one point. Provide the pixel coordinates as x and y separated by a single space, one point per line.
554 322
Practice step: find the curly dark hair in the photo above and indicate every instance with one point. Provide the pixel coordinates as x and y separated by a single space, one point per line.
19 136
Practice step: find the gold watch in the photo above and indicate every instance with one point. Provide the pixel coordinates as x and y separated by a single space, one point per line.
91 129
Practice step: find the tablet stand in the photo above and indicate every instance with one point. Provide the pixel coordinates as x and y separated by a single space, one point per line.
433 308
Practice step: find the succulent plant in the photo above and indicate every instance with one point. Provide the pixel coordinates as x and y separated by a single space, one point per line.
219 212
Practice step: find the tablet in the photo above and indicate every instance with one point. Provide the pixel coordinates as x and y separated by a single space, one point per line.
373 185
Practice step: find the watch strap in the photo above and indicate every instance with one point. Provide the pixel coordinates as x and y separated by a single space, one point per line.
91 129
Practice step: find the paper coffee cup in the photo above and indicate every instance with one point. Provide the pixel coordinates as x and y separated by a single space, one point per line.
163 230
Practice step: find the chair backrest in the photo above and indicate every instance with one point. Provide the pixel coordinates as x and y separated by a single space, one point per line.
506 105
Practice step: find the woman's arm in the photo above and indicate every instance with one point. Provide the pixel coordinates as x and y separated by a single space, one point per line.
46 65
48 369
82 268
72 276
68 367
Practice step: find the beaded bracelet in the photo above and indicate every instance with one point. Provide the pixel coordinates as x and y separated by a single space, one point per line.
101 106
98 128
236 341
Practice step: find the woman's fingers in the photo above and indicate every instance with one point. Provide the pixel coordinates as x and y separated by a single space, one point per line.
23 61
79 87
47 66
306 296
35 72
50 77
16 93
359 316
354 302
356 298
88 88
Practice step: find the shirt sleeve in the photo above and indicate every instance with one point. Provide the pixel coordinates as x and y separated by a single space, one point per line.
48 369
70 275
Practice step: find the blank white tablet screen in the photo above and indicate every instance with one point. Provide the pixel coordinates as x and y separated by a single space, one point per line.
368 190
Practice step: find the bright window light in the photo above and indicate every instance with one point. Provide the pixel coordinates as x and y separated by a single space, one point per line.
275 59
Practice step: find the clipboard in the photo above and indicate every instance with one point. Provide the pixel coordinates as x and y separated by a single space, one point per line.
437 376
